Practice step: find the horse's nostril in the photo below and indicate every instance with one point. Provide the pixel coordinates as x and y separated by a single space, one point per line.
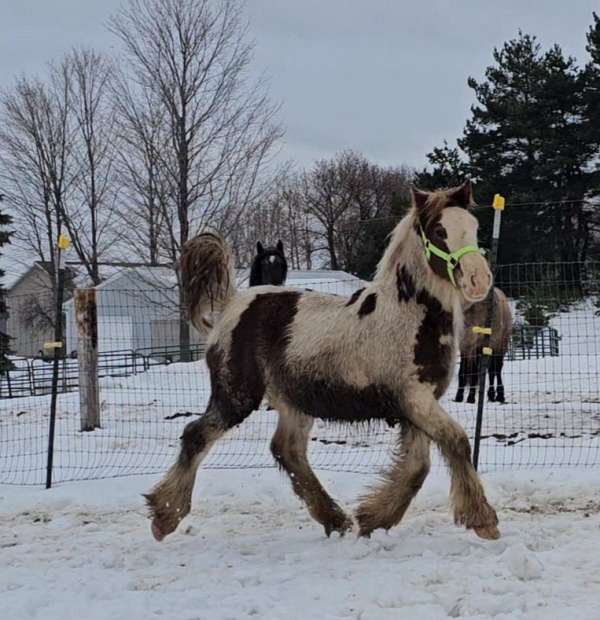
473 281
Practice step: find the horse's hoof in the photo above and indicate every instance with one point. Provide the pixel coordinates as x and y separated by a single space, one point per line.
491 532
341 527
156 531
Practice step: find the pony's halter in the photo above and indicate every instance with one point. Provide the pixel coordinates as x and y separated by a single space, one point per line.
452 259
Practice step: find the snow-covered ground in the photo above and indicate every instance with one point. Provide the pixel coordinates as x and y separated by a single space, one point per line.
250 550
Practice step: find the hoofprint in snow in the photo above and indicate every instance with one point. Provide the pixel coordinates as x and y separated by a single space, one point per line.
249 550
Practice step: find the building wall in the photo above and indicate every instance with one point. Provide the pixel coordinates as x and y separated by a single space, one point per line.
133 310
165 333
28 301
140 313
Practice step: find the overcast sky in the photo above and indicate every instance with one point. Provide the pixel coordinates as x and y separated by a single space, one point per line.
385 77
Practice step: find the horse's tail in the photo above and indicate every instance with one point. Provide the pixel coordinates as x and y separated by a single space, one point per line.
208 278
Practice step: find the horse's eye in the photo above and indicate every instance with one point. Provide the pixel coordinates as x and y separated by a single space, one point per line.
439 231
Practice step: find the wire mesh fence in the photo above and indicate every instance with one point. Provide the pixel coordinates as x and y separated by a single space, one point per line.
151 385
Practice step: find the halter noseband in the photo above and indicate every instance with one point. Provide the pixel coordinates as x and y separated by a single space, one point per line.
452 259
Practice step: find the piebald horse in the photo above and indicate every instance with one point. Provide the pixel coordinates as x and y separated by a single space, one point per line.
387 352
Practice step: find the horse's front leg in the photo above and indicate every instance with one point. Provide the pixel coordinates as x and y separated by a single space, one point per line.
385 506
467 495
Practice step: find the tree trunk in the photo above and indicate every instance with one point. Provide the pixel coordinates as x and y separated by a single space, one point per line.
87 357
332 254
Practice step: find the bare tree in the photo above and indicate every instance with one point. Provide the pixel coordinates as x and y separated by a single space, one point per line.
345 198
88 214
379 198
35 165
57 145
279 215
191 57
327 193
142 179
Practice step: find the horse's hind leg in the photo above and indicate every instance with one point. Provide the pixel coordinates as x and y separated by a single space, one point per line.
386 505
472 372
499 385
492 374
170 500
467 496
289 446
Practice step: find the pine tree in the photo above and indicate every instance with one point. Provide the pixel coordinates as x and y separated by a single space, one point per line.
591 93
448 169
5 363
526 138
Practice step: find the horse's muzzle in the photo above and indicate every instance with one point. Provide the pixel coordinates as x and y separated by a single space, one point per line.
475 278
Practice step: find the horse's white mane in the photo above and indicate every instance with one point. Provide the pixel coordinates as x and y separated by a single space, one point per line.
401 242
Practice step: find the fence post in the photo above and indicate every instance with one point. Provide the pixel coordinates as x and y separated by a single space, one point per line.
87 358
58 347
498 205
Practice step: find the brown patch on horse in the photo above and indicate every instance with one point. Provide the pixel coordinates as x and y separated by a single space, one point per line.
262 333
328 398
431 356
437 234
354 297
229 398
368 305
405 284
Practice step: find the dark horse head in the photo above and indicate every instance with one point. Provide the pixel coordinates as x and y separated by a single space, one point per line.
269 265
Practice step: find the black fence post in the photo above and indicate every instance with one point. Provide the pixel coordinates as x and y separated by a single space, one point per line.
487 352
58 347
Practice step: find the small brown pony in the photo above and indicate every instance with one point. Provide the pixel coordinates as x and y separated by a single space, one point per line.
471 346
386 353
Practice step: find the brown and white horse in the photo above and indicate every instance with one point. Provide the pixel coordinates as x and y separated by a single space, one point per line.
472 344
387 352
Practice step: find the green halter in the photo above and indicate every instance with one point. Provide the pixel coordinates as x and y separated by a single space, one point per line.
452 259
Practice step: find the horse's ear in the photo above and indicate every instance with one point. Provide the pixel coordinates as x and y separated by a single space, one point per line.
259 248
280 246
419 198
463 194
